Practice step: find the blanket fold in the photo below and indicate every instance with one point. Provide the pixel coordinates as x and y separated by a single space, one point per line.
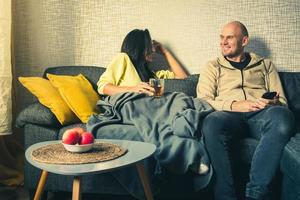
171 122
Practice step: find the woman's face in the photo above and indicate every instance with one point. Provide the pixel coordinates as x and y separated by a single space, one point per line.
149 55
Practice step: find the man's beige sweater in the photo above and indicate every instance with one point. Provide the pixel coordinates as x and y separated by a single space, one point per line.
220 83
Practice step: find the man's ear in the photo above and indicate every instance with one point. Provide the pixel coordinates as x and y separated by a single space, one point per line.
245 41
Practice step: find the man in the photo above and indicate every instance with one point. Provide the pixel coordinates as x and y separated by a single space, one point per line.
233 85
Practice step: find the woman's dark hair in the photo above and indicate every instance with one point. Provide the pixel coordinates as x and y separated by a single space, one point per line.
137 45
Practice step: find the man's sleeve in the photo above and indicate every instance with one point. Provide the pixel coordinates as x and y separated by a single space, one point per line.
275 83
207 87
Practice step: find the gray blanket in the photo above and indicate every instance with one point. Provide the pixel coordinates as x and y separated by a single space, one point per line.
171 122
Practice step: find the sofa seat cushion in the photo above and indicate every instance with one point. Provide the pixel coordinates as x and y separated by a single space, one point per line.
290 162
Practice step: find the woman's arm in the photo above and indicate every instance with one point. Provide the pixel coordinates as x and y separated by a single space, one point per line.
142 87
173 63
121 68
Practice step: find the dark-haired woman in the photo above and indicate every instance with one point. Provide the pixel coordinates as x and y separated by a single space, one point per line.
129 71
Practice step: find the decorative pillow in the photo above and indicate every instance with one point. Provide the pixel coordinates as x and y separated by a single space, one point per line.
49 97
78 93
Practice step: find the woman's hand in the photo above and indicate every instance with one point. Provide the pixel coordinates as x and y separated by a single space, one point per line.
158 47
143 87
173 63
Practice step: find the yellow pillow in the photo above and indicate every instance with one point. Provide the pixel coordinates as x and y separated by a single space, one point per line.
49 97
78 93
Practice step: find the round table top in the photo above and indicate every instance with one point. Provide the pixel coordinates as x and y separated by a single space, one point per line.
136 151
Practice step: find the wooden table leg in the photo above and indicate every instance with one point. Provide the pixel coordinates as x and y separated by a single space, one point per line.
145 180
41 185
76 188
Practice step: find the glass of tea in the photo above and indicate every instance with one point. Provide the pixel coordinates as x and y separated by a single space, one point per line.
158 85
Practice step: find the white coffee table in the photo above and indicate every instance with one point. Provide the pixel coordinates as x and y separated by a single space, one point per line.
136 153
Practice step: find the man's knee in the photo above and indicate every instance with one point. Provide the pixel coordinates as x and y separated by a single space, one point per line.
213 122
218 122
283 120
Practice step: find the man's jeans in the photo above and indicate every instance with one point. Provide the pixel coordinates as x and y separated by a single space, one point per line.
272 126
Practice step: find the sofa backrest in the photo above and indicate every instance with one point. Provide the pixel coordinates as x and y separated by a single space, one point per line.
92 73
290 82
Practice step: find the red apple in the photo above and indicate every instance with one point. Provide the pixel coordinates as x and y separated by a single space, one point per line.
86 138
79 130
70 136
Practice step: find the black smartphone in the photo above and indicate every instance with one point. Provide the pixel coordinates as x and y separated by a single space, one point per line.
269 95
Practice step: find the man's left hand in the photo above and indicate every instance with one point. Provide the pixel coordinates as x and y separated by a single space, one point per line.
262 103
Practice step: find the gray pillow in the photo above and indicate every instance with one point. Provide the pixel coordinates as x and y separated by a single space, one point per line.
187 86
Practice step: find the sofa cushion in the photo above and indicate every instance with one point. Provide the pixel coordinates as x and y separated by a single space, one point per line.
78 93
91 73
49 97
187 86
290 162
290 82
37 113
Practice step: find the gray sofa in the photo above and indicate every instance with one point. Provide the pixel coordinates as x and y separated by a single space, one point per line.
39 124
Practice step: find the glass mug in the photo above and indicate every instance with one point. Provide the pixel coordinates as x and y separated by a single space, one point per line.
158 85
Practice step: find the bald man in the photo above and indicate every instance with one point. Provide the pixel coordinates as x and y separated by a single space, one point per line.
233 85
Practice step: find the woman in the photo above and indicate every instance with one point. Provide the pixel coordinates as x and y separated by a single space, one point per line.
129 71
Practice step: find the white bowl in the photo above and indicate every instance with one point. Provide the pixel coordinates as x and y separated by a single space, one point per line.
77 148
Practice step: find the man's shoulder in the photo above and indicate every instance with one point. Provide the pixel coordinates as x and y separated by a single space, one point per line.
213 63
258 58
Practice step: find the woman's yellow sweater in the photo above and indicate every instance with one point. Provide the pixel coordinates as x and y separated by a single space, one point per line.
121 72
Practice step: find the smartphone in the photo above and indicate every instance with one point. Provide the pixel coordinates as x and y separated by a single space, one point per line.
269 95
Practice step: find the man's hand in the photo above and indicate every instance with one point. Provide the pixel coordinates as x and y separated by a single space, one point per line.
244 106
263 102
248 106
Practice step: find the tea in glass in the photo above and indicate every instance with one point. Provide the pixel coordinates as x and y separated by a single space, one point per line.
158 85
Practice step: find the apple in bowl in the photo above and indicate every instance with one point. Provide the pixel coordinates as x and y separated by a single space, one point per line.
71 136
86 138
77 140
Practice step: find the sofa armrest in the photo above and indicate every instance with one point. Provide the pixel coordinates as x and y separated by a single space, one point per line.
37 113
290 162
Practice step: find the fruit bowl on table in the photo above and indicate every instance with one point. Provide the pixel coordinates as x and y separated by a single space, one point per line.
78 148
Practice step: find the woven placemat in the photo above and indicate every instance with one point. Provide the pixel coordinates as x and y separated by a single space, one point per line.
57 154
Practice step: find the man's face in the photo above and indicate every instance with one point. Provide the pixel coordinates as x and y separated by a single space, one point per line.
232 41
